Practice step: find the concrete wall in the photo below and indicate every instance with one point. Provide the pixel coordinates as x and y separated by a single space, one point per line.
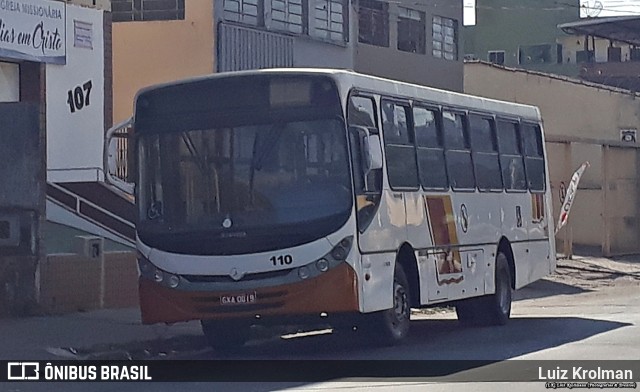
75 127
582 122
21 200
569 107
318 54
71 283
147 53
421 69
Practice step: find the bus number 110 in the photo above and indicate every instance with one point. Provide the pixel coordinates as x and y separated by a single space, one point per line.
281 260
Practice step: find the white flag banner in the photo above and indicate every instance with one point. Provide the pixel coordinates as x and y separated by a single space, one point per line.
570 196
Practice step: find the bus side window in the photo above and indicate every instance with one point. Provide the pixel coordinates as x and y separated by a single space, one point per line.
534 156
402 167
511 161
431 166
485 153
457 152
362 112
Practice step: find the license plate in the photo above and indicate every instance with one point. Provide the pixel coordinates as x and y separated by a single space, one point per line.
238 299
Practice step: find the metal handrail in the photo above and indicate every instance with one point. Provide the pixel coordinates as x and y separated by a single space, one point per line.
79 199
122 237
109 178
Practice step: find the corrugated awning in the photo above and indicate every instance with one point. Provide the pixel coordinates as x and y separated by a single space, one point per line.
619 28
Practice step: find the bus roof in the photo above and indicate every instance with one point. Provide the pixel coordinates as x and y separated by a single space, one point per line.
348 79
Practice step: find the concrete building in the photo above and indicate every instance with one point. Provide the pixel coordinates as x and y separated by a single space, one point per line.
522 34
416 42
583 121
607 50
550 36
55 104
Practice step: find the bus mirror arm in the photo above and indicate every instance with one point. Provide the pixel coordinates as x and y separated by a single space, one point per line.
109 158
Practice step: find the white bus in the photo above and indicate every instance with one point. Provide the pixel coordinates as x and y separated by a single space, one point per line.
299 194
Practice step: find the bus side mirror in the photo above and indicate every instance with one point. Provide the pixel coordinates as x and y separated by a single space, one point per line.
370 148
373 152
116 163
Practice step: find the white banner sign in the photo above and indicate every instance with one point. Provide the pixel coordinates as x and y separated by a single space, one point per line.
609 8
33 30
570 196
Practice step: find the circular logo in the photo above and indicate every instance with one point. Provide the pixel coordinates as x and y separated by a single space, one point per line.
464 218
235 274
227 223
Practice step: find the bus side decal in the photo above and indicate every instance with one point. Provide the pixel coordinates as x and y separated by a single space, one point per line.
537 207
442 226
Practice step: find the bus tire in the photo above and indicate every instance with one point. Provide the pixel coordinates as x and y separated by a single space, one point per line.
392 325
493 309
497 307
224 335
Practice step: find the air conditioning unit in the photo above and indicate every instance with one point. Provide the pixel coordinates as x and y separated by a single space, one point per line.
91 247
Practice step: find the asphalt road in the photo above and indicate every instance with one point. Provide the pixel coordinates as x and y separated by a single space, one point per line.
588 310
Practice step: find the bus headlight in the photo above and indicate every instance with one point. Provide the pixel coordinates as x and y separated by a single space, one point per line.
173 281
322 265
158 276
303 272
341 251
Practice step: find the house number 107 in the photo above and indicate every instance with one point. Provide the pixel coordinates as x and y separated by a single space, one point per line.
79 97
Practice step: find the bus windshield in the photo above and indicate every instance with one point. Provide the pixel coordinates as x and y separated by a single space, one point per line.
243 189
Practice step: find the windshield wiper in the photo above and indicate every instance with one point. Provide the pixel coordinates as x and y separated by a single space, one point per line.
258 156
201 163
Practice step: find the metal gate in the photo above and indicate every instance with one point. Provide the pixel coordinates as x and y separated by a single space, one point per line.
604 218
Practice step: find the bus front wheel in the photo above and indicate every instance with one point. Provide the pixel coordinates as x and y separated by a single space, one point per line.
392 325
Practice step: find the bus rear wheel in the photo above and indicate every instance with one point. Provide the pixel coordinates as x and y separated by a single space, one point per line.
493 309
225 335
392 325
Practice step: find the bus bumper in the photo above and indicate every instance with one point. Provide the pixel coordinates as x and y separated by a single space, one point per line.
335 291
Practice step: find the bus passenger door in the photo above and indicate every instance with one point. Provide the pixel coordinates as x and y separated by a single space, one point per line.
377 210
537 222
515 201
380 214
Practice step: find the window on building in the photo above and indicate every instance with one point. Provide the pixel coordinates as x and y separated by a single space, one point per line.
457 151
373 23
411 30
511 161
402 168
445 38
329 20
287 15
431 167
244 11
9 82
540 54
146 10
484 147
496 56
